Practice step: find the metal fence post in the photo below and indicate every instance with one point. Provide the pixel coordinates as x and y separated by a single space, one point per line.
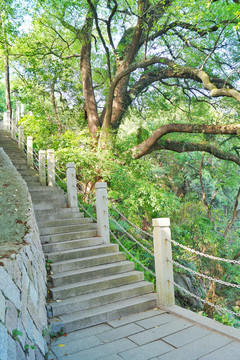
30 151
51 167
71 186
20 138
163 262
102 211
42 167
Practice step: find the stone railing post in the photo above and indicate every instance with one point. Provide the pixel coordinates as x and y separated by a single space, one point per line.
20 138
17 113
42 167
71 186
163 264
51 167
30 151
22 110
7 121
14 127
102 211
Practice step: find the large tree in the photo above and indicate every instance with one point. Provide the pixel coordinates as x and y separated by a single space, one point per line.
127 49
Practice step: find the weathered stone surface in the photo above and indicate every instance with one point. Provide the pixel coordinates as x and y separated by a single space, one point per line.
20 353
11 316
39 355
29 326
11 348
2 307
9 289
3 342
33 295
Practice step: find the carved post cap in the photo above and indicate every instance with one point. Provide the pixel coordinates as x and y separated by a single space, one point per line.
161 222
71 165
101 185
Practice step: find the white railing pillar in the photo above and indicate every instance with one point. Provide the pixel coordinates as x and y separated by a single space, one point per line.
51 167
14 127
17 113
163 262
71 186
22 110
30 151
42 167
7 121
102 211
20 138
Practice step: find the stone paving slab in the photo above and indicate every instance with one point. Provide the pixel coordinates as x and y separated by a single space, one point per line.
230 351
135 317
150 335
120 332
196 349
147 351
75 346
101 351
186 336
157 320
159 332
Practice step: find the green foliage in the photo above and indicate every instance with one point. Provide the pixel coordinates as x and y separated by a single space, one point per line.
16 333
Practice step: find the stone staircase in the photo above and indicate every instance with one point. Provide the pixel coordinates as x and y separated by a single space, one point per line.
89 282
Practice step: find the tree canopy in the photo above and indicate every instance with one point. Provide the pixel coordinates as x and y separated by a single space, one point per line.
107 57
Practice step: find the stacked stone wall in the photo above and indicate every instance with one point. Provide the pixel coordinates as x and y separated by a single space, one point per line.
23 291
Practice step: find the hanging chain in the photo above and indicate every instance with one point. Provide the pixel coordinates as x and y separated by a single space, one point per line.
126 219
204 255
205 276
132 237
128 252
217 307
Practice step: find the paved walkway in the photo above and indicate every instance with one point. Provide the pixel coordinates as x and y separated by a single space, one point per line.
153 334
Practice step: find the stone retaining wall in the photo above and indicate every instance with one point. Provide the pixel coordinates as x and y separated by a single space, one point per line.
23 318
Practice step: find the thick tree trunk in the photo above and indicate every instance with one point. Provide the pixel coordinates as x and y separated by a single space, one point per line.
55 109
86 72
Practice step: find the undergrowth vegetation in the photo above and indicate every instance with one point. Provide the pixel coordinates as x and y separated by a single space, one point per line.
165 185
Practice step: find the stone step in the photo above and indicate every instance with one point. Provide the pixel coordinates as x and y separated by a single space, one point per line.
21 167
29 172
44 196
99 298
82 253
67 229
16 154
17 162
72 244
86 318
93 272
93 285
50 205
64 222
68 236
59 213
39 189
9 146
52 215
30 179
68 265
